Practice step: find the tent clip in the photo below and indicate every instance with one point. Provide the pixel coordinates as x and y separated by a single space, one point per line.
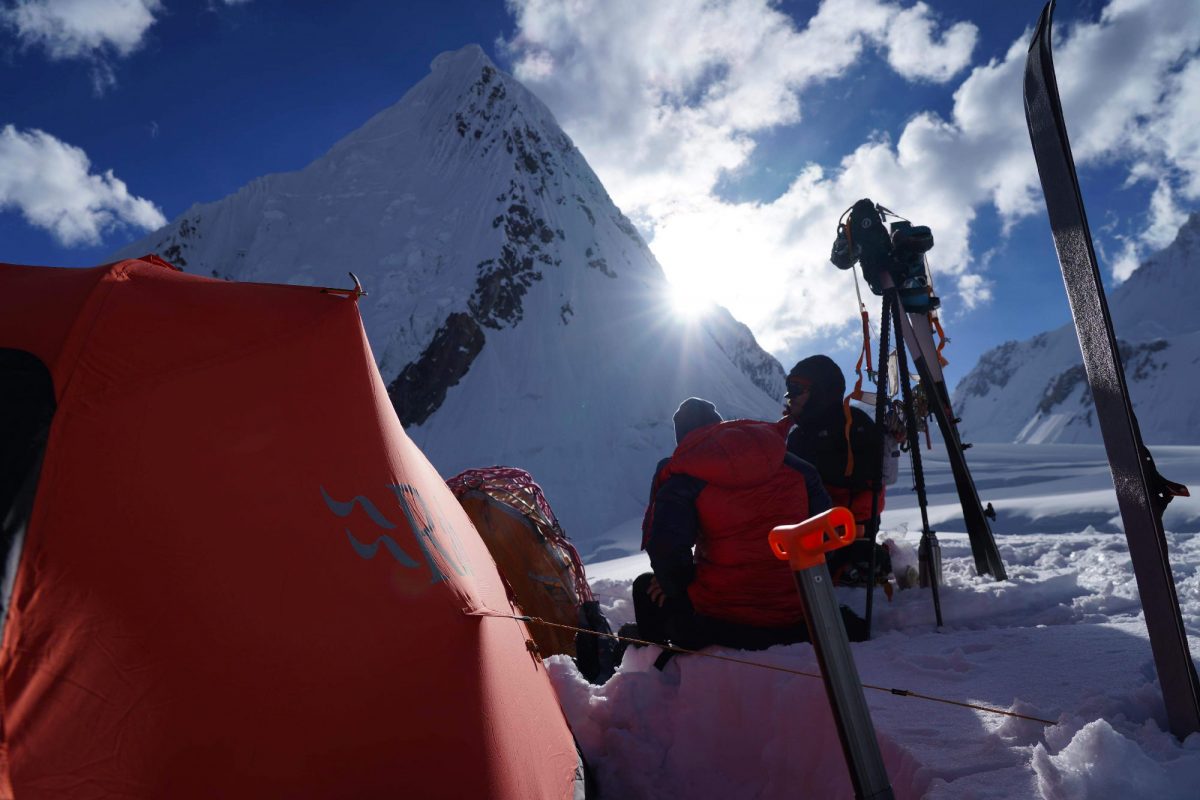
357 291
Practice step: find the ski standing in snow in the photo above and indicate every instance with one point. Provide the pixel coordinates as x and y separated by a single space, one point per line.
1142 494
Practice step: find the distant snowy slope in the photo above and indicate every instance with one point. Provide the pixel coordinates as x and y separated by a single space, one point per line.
1036 391
515 313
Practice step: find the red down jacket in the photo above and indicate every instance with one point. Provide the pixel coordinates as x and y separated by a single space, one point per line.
747 490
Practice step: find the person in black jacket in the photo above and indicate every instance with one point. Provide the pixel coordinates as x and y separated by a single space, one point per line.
848 461
847 448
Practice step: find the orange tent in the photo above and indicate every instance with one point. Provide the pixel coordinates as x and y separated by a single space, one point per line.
233 574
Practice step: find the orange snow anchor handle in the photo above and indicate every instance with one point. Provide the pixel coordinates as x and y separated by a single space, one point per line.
805 544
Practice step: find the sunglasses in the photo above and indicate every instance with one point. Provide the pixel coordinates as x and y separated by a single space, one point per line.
795 388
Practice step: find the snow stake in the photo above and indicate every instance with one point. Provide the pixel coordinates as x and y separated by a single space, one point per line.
1142 494
804 546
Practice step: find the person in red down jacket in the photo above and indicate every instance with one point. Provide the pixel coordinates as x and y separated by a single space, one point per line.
715 500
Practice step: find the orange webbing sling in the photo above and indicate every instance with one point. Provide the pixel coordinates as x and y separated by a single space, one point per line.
857 392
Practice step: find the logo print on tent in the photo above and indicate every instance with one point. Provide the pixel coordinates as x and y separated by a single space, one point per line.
420 523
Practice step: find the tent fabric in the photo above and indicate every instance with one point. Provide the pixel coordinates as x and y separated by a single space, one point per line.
240 577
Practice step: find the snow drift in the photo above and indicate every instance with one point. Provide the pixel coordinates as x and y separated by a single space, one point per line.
1064 640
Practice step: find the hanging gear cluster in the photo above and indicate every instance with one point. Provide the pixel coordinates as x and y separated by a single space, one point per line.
897 250
895 420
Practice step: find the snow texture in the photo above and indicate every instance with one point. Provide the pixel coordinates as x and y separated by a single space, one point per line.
1063 639
515 313
1036 391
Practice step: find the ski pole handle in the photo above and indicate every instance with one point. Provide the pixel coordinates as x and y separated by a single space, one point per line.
806 543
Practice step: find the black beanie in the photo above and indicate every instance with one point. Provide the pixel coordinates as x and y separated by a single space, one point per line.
694 413
827 382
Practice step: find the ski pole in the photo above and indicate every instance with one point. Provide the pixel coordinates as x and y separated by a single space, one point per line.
929 552
881 379
804 546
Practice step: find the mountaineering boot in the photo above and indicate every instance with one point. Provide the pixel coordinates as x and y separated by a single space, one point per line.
627 631
851 565
909 578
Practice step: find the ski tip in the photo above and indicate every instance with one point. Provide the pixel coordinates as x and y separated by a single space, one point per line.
1043 26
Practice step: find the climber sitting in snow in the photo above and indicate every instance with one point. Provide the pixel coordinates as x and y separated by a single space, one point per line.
721 492
843 443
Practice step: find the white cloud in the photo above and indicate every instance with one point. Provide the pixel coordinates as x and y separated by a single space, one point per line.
77 28
1164 219
50 182
665 99
1174 130
974 290
916 52
90 30
1126 261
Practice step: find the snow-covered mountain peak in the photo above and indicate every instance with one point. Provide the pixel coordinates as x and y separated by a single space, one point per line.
1036 391
516 314
465 93
1159 298
467 60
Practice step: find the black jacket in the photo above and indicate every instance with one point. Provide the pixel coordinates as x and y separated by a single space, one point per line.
821 441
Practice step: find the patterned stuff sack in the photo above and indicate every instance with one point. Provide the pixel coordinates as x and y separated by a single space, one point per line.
541 566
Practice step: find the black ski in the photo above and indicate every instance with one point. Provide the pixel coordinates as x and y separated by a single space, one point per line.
979 532
924 358
1142 494
929 551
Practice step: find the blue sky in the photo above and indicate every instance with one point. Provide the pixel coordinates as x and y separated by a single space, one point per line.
732 132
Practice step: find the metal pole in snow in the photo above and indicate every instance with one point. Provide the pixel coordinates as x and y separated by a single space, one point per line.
804 546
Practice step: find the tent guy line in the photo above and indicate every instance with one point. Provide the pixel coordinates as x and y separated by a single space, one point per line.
760 665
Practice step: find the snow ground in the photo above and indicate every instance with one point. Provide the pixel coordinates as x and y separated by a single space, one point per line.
1063 639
